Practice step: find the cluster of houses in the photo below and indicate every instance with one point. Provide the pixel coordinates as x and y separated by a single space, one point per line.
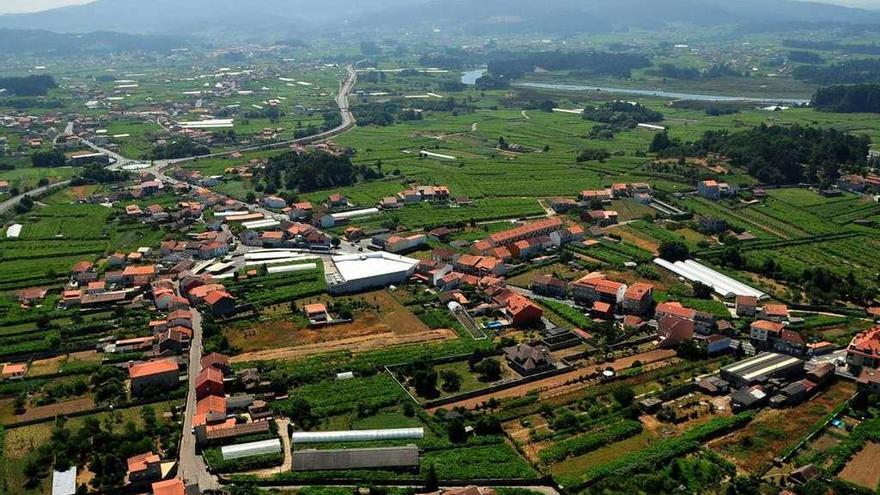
863 359
287 234
415 194
859 184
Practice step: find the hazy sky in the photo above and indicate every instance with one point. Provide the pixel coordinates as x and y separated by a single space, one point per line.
11 6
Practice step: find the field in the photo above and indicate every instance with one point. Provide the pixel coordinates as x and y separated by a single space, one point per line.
862 469
753 448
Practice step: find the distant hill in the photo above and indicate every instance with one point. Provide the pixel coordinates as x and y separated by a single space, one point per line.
276 19
32 41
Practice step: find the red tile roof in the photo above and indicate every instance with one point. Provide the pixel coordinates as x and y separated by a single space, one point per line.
169 487
153 368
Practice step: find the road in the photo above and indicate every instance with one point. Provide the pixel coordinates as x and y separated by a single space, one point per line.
191 467
11 202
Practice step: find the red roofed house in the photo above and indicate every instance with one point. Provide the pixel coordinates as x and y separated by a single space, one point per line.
316 313
595 287
746 306
144 467
673 330
526 231
139 275
169 487
14 371
209 382
765 331
523 312
674 308
210 410
774 312
638 298
864 351
216 360
221 303
161 374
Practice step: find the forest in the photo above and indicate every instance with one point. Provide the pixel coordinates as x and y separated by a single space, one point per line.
848 98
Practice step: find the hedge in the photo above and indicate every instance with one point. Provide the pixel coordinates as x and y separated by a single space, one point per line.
588 442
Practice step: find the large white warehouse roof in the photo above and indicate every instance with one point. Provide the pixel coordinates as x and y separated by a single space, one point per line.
722 284
369 265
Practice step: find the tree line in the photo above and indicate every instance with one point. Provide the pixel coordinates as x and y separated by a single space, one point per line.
847 98
28 85
777 154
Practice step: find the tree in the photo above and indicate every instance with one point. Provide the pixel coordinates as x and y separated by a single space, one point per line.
298 410
432 484
674 251
489 370
456 431
660 142
624 396
702 291
451 381
425 382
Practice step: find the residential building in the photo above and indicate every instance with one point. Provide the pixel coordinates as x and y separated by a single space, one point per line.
765 332
746 306
595 287
638 298
547 285
169 487
316 313
209 381
714 190
158 375
527 359
145 467
774 312
522 311
863 351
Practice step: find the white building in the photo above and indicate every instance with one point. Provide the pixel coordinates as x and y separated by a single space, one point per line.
361 272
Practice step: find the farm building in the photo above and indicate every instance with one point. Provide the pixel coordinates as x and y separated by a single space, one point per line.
761 368
360 272
329 460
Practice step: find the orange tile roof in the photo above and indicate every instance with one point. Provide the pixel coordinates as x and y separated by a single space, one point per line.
637 291
209 374
139 462
769 326
776 310
527 230
867 342
139 271
169 487
676 309
311 309
153 368
216 296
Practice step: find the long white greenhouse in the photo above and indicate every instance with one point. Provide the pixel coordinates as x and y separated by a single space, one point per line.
250 449
357 435
720 283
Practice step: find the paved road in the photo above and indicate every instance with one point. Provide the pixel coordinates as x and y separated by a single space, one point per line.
11 202
192 467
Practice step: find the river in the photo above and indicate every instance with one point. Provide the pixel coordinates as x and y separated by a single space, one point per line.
661 94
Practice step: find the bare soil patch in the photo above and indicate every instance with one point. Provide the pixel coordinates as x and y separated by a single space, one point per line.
862 469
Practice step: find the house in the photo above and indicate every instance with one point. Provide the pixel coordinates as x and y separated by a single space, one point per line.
144 468
169 487
673 308
562 205
175 340
764 331
673 330
274 202
547 285
527 359
84 272
216 360
595 287
863 351
790 342
746 306
527 231
714 190
316 313
154 376
774 312
638 298
209 381
32 296
210 410
522 311
301 210
336 200
479 265
14 371
713 225
137 276
869 379
221 303
596 195
4 186
398 244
